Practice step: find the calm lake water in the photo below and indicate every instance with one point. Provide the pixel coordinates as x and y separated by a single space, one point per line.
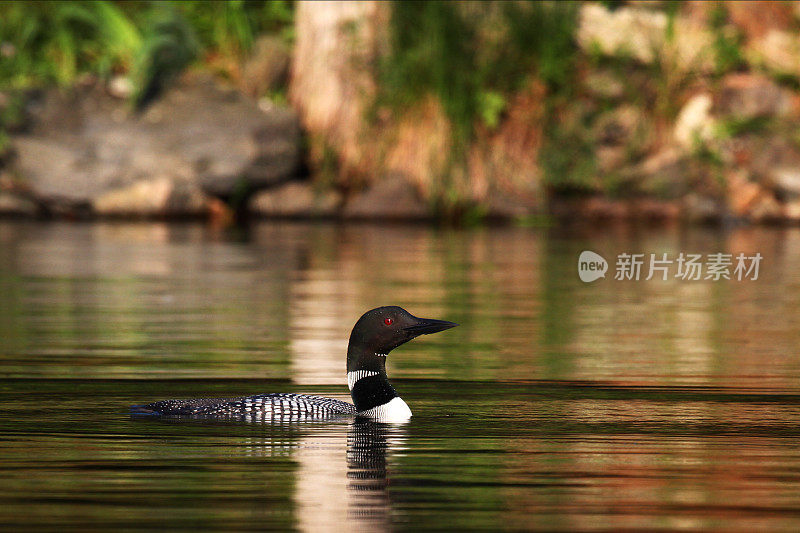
556 405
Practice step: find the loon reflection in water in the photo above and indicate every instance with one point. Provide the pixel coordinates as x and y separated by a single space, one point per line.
343 474
376 333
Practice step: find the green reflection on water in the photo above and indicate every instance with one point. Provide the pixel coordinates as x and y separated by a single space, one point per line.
555 404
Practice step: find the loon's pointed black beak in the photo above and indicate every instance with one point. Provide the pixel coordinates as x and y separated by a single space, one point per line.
424 326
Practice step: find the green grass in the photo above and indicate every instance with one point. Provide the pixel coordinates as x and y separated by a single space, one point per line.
734 126
568 159
727 42
470 56
52 42
230 27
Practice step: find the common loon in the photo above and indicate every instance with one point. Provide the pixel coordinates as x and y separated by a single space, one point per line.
376 333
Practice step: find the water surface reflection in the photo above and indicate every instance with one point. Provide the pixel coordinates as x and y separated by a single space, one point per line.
556 405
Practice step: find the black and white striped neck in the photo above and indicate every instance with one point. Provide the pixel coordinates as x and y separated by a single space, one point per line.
372 394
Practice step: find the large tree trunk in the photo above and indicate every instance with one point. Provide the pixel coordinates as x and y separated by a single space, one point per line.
333 77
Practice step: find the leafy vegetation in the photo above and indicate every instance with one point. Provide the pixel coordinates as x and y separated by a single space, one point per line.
727 42
472 57
568 156
55 42
447 49
170 45
478 61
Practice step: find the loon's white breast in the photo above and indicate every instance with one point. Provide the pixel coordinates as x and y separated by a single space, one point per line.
396 410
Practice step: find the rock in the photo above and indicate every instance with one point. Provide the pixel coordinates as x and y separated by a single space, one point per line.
267 68
766 209
764 154
120 87
747 96
390 198
54 170
786 181
778 51
694 123
504 206
642 34
86 149
664 174
791 211
60 112
756 19
651 209
610 158
599 208
616 127
743 194
231 144
604 84
295 200
220 214
625 31
14 205
160 196
700 208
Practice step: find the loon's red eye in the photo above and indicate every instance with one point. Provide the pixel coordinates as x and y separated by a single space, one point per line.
388 321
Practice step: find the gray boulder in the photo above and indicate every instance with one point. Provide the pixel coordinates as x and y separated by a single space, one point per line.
748 96
295 200
390 198
88 151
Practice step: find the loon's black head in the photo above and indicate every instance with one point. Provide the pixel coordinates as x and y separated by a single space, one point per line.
381 330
